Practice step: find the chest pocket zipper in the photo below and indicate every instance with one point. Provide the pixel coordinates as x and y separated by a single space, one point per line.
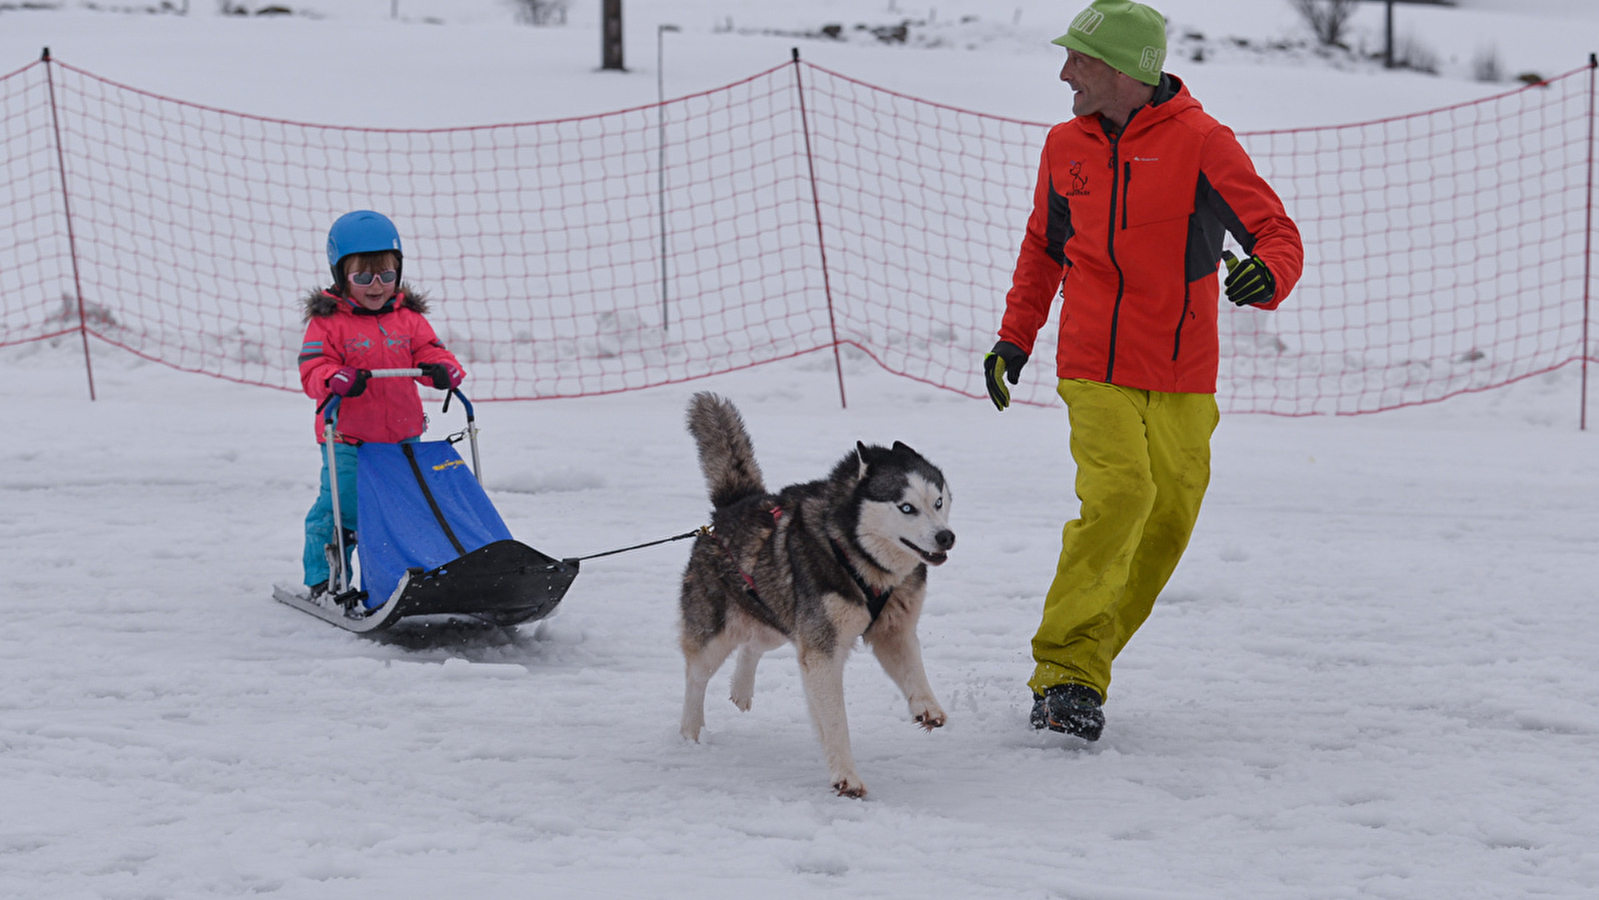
1127 184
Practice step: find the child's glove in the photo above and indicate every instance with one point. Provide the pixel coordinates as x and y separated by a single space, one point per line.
1003 363
348 381
445 376
1249 283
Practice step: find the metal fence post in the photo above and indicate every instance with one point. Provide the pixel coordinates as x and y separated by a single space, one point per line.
66 208
821 244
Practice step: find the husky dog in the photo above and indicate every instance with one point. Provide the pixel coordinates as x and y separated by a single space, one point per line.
818 564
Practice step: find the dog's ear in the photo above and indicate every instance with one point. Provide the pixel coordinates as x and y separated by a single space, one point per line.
860 455
902 448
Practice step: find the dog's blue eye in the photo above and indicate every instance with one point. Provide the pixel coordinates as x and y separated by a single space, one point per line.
939 503
907 509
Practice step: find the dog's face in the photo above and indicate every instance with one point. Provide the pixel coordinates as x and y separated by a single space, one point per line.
904 509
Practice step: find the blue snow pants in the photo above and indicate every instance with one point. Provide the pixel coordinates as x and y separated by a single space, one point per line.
319 521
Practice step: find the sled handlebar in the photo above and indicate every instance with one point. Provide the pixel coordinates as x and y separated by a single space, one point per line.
330 417
417 373
330 410
330 406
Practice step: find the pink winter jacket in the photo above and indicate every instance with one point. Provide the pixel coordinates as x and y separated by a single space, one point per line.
339 333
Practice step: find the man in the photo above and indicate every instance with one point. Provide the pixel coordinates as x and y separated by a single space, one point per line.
1132 200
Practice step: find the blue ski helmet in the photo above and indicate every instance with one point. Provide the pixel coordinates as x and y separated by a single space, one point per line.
362 231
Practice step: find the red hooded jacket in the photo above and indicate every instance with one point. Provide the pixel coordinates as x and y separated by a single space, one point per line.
1129 229
339 333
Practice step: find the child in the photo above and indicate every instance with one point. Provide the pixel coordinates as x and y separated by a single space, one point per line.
367 320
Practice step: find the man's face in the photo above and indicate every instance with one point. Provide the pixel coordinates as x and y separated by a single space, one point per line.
1093 80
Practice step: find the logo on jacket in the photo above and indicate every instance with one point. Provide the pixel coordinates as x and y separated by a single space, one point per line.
394 340
1079 180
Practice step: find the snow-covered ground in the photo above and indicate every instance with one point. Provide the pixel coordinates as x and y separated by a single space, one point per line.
1372 676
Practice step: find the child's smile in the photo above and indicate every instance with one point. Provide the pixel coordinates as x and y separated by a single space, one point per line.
378 290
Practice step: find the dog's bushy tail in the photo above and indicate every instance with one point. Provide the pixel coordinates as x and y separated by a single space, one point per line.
726 454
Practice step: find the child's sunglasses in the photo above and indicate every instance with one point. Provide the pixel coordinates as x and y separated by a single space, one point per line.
387 276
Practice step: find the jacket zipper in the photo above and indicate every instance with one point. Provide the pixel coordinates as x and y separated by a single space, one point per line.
1110 240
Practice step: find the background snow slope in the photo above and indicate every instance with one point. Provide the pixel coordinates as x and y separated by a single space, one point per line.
1372 676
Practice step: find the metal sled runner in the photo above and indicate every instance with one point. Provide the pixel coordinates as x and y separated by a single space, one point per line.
431 543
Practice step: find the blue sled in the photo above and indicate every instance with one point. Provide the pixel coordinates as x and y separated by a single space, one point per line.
431 544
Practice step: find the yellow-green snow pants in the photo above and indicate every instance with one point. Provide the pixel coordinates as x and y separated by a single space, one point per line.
1143 463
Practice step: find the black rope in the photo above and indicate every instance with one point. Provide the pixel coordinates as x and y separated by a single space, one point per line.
703 529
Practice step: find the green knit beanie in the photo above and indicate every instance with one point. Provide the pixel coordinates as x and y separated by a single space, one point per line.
1129 36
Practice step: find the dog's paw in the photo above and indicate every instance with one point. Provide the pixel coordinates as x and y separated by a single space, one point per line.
742 701
849 786
928 714
690 732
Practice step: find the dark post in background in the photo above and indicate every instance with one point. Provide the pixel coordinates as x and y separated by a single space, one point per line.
611 34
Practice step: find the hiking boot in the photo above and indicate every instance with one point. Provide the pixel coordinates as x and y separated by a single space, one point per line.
1070 708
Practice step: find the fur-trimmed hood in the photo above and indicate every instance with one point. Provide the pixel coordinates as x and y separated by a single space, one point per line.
317 304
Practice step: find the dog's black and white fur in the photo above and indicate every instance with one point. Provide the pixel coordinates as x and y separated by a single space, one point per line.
807 565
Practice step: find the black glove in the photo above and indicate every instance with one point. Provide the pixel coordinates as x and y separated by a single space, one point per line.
1003 363
1249 283
444 376
348 381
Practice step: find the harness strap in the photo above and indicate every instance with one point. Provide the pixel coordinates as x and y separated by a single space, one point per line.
749 580
874 601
